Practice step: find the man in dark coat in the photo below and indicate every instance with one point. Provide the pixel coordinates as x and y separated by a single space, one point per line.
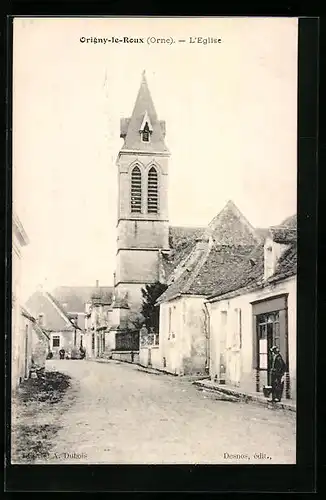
277 371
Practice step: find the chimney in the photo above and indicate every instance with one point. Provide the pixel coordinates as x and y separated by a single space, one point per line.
97 283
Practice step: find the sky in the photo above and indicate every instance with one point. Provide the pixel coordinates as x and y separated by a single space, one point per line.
231 119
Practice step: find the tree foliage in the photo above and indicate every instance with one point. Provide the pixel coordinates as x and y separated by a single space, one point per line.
150 311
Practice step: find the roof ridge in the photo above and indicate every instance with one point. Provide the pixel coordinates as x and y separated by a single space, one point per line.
198 266
58 306
237 212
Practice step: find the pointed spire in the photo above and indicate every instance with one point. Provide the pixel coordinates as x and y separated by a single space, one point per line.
144 112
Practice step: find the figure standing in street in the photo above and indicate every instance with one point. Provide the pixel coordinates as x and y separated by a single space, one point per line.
277 371
62 353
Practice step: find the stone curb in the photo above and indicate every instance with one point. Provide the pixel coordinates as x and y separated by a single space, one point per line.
245 397
153 371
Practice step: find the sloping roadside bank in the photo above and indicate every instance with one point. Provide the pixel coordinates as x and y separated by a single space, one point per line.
36 408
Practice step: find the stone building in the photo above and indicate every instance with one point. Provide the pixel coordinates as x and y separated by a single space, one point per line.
143 221
219 249
253 310
18 346
60 326
36 342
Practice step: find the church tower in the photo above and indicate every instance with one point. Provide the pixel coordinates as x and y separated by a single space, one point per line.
143 225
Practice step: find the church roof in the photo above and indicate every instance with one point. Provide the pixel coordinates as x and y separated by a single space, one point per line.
130 127
227 239
226 256
230 227
249 274
74 298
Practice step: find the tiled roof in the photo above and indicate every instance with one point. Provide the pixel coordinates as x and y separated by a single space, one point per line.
182 283
228 267
283 235
179 235
287 264
130 127
74 298
230 227
246 275
209 251
290 222
182 240
232 260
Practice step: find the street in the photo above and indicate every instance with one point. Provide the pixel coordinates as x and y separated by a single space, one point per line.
123 415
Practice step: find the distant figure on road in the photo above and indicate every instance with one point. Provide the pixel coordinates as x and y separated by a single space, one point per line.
278 370
82 351
62 353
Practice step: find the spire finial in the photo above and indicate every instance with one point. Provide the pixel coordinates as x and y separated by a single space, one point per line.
143 74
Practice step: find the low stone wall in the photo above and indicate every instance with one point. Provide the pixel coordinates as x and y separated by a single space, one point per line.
154 357
127 356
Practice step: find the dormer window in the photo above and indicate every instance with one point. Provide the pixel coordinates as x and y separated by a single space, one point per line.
146 128
145 134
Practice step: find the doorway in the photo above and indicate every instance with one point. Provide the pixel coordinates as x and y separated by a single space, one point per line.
268 334
222 337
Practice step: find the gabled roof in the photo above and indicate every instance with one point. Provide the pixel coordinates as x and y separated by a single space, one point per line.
227 240
55 317
130 127
38 330
230 227
74 298
250 274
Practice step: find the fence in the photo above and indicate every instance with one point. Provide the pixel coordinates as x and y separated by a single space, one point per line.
149 339
127 341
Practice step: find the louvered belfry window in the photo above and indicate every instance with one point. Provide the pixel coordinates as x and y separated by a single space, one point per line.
152 195
136 190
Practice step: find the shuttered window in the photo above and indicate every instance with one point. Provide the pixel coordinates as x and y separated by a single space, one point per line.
136 190
152 193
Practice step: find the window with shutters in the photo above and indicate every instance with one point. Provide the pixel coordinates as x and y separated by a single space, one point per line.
152 192
136 190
